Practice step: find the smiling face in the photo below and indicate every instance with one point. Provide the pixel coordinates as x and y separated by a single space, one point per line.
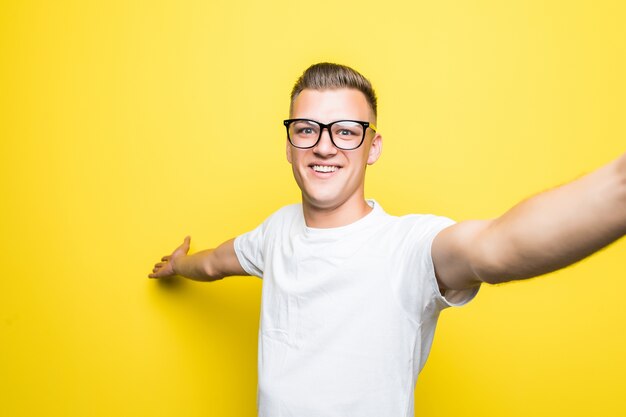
333 179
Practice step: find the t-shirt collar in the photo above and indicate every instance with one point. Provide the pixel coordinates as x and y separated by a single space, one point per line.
333 232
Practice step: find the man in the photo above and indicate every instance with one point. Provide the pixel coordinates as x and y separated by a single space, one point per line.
351 295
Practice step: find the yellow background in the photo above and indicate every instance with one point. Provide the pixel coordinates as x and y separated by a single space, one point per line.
126 125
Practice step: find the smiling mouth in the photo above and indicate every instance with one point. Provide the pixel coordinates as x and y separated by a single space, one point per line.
324 168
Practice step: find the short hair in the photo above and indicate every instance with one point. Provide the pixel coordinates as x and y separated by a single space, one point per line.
329 76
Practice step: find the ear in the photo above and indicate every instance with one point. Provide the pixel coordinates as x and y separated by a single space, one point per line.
376 148
288 150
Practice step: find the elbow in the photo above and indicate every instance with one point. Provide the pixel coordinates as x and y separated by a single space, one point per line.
489 263
212 273
504 263
489 273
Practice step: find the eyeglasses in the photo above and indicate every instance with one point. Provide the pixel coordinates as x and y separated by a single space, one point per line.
344 134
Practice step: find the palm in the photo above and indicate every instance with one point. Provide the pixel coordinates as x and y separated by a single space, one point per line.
165 268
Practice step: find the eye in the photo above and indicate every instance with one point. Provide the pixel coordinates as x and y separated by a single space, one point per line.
303 128
347 130
305 131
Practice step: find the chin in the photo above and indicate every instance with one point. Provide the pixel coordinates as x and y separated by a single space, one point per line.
321 201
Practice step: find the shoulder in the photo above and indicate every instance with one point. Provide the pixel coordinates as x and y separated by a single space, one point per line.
286 215
273 225
415 226
409 235
425 219
289 210
422 225
412 218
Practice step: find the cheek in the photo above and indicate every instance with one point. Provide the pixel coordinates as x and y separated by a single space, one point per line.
295 156
288 153
360 160
295 166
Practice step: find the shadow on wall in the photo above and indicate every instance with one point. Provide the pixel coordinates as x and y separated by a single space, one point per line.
214 318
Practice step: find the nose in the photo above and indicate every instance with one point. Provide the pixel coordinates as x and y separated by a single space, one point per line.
324 146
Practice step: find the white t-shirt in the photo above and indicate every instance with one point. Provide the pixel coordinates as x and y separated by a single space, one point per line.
348 314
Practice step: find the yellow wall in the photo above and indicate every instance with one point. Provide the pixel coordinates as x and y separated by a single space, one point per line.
126 125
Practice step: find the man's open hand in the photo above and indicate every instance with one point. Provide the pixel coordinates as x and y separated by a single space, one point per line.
166 268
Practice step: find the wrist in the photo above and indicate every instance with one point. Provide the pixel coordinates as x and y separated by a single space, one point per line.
175 266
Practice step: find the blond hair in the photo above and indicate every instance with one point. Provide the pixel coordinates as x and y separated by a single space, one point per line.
328 76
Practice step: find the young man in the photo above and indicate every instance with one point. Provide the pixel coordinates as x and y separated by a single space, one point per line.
351 295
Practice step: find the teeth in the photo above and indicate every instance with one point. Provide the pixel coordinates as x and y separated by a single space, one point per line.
324 168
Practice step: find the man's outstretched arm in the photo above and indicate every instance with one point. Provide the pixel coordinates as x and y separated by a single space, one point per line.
541 234
206 265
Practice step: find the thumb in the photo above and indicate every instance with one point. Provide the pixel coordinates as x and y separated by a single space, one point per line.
185 245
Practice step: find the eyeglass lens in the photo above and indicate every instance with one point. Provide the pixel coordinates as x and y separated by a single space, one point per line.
345 134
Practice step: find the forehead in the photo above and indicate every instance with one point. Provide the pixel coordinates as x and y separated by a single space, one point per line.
330 105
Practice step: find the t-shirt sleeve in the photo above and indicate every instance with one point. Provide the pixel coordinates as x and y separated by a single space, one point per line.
249 248
417 288
451 298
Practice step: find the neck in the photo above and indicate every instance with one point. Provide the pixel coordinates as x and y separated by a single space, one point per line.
342 215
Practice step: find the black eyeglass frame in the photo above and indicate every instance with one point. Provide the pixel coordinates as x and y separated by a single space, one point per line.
323 126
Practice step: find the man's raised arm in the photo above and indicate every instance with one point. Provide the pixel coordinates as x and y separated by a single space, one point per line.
206 265
541 234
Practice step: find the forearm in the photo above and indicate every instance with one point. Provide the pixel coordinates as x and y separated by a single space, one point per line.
558 227
194 266
210 264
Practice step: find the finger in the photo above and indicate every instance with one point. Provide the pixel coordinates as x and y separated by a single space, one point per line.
165 258
186 243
